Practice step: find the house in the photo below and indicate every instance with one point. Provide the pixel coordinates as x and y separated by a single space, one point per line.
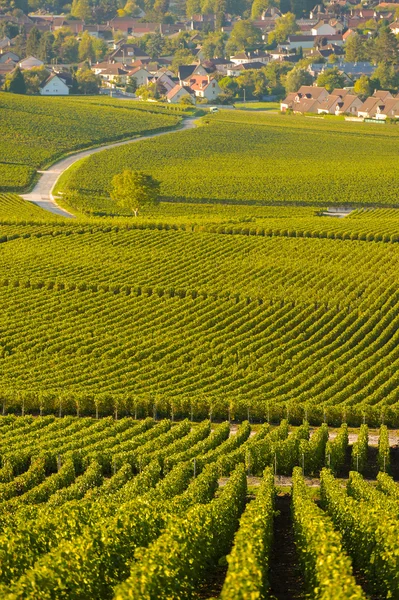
246 57
125 24
323 28
205 87
184 72
165 81
382 95
8 55
179 92
221 65
127 53
307 99
56 85
388 110
30 63
236 70
371 105
141 75
349 104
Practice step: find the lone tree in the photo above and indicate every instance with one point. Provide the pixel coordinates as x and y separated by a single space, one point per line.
134 189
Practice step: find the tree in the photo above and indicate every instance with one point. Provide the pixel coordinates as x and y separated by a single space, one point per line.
296 78
16 82
154 46
229 86
331 79
243 35
34 78
69 50
46 50
385 77
86 48
213 46
134 189
354 48
88 82
81 9
33 42
285 26
363 87
181 57
258 6
131 85
386 47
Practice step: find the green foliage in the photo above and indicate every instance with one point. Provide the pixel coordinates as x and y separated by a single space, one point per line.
327 568
360 450
312 452
15 82
247 574
336 450
174 563
384 454
331 79
369 531
133 190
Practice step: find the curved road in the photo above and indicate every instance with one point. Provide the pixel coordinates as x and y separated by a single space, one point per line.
42 192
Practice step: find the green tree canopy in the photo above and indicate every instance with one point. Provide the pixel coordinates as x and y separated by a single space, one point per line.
244 35
285 26
86 48
296 78
16 82
386 47
355 48
33 42
134 189
88 82
363 87
385 77
330 79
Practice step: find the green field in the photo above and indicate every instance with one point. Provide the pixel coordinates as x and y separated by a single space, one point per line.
35 131
244 158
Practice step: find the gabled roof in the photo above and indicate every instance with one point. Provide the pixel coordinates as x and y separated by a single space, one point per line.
177 89
311 91
185 71
55 76
382 94
347 102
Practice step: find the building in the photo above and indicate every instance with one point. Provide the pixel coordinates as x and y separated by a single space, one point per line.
307 99
56 85
30 63
141 75
247 57
179 92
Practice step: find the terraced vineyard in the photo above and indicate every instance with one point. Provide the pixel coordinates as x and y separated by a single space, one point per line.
136 509
35 131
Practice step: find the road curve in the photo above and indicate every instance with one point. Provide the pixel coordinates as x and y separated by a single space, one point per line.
42 194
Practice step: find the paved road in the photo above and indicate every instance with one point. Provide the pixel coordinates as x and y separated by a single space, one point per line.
42 192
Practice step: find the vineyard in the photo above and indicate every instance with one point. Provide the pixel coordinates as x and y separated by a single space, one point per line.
126 508
246 158
35 131
112 316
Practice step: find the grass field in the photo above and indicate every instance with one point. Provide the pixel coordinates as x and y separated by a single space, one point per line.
240 157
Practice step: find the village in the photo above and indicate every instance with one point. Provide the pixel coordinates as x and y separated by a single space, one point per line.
212 58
